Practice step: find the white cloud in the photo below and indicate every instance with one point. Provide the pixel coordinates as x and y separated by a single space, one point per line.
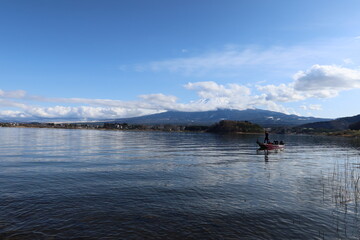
159 98
326 80
212 96
319 81
273 106
12 94
281 93
315 107
213 90
230 59
83 112
10 103
234 60
11 114
233 96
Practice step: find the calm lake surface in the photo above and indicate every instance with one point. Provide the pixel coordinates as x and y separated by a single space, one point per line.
88 184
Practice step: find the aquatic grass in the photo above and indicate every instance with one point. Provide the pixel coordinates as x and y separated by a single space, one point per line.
344 182
341 186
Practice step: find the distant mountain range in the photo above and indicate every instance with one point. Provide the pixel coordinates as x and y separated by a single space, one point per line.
264 118
337 124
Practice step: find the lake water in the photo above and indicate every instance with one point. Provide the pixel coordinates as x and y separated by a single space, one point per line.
89 184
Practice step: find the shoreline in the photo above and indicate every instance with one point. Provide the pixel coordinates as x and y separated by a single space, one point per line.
223 127
173 128
131 130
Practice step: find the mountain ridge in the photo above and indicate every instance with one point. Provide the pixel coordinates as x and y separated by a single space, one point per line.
263 117
336 124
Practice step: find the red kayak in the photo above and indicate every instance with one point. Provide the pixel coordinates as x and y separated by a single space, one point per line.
271 146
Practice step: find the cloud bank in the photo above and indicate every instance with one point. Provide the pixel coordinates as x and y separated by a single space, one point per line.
326 81
319 81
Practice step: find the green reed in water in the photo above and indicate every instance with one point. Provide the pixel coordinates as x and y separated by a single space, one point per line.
345 182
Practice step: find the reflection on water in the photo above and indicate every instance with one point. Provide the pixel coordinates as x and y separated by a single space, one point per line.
85 184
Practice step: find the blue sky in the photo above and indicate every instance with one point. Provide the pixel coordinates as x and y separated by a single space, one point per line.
92 59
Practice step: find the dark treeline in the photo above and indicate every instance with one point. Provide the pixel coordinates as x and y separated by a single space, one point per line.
349 132
225 126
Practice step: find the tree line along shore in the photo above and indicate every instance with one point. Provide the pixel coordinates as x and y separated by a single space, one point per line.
224 126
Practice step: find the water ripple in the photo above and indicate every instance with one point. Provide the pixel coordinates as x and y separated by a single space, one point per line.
71 184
